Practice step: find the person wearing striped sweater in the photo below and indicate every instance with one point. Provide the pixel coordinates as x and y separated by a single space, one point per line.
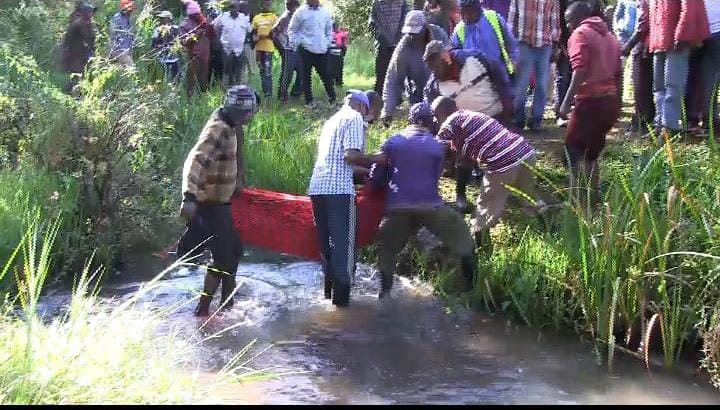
505 157
536 25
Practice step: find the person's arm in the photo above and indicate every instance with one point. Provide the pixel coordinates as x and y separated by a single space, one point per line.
579 58
511 42
444 137
353 141
394 82
619 17
379 172
329 29
194 170
372 26
294 28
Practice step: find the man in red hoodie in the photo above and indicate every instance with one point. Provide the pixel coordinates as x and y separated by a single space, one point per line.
594 89
676 27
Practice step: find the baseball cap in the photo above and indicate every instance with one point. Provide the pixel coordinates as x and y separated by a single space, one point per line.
414 22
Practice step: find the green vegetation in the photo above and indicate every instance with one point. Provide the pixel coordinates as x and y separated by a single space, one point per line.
641 271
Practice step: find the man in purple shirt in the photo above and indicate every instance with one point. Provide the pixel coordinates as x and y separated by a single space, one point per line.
414 165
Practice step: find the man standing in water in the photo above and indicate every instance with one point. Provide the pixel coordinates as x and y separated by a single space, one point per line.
213 172
415 164
332 192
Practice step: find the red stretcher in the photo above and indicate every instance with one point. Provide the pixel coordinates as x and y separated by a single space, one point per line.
284 223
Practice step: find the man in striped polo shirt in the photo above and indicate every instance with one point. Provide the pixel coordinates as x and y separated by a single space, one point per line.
505 157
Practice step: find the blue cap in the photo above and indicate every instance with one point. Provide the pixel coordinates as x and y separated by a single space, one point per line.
420 112
360 96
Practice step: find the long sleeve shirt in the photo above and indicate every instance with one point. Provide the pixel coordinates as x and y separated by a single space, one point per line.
673 21
311 29
386 21
625 19
233 31
407 63
280 32
120 33
210 172
162 41
481 37
535 22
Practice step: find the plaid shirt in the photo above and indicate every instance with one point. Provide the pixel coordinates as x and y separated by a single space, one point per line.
332 175
535 22
211 169
386 20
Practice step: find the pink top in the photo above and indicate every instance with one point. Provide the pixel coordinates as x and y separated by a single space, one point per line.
590 40
341 38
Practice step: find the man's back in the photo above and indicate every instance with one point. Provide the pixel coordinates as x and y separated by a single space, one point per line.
415 163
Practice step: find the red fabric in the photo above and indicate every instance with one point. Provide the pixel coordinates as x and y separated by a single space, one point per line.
677 20
341 38
284 223
590 40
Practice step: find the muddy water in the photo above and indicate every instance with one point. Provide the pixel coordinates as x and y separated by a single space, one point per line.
409 349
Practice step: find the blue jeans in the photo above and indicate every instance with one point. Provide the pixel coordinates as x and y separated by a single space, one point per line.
532 59
711 75
335 222
563 74
670 75
264 61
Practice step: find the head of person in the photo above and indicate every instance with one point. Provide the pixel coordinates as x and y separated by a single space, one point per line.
576 13
421 115
243 7
313 4
84 10
470 10
358 101
127 7
165 18
376 105
443 107
415 26
437 56
241 104
267 6
193 10
430 5
234 8
292 5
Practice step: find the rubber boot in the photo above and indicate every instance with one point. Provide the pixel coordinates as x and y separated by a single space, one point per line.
227 299
328 288
463 177
341 294
212 281
386 282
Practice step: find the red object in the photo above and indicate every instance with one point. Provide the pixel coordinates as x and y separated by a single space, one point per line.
341 38
677 20
284 223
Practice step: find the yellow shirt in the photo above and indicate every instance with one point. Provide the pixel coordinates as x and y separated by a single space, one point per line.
262 24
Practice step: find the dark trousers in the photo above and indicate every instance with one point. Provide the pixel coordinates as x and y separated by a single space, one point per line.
563 75
694 98
232 70
264 61
290 64
212 227
642 76
216 62
335 223
382 61
319 62
336 65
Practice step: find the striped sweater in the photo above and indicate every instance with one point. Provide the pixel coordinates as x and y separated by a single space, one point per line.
480 138
210 173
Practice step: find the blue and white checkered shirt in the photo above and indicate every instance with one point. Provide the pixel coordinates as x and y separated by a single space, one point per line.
332 175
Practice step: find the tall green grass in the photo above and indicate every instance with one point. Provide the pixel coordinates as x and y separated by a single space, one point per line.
97 352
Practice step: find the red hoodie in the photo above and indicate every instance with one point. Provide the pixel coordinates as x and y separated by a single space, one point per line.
672 21
592 46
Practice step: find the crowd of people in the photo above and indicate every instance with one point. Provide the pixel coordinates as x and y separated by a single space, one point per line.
226 45
466 68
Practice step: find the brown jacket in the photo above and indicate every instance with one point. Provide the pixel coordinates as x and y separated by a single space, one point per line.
78 44
213 168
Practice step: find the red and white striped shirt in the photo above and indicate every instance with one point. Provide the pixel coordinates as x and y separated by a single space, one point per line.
535 22
478 137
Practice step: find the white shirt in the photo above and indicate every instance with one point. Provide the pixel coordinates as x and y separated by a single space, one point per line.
233 32
311 29
332 175
713 12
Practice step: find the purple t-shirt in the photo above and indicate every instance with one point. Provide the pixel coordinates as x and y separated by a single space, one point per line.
415 163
